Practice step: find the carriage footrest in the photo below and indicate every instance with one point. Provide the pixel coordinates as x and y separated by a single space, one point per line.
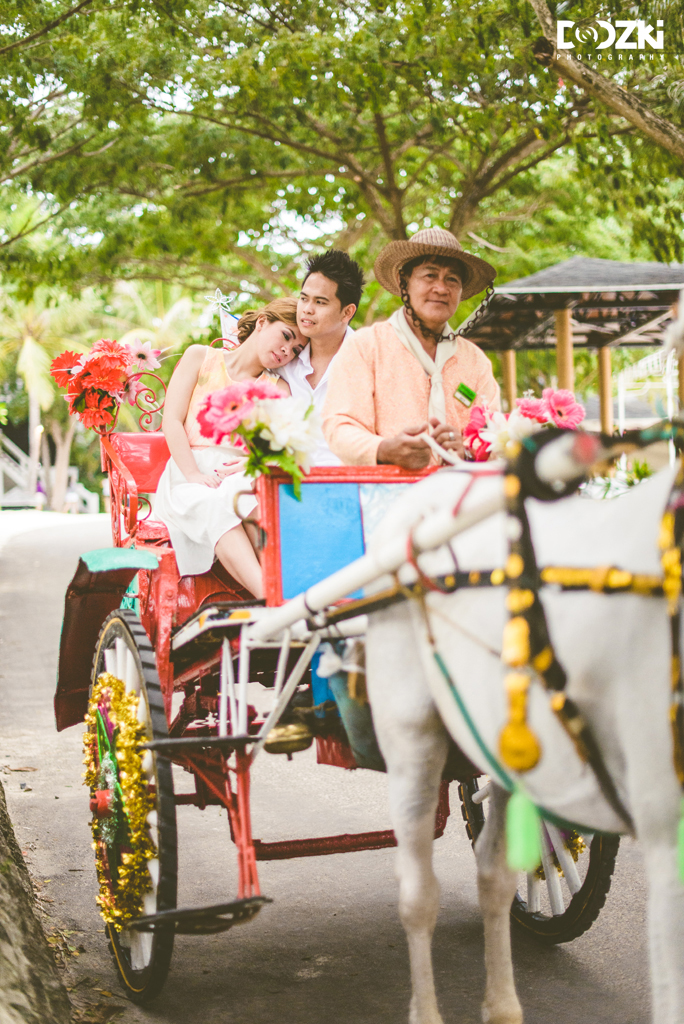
186 744
203 920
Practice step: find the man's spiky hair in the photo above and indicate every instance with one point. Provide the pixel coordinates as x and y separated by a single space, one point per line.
338 266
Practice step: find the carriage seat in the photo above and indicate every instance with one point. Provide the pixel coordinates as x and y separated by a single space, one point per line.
144 455
135 462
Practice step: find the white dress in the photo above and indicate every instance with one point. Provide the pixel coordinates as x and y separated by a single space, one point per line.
195 515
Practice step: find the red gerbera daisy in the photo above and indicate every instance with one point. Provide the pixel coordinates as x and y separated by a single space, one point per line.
112 353
99 372
64 367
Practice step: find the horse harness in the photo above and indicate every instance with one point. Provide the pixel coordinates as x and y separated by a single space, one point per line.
527 650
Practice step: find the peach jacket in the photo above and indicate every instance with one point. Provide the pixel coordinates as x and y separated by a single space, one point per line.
378 388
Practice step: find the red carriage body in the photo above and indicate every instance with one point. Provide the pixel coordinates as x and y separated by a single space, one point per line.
187 633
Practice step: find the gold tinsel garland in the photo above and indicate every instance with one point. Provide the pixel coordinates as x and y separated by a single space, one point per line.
574 844
125 902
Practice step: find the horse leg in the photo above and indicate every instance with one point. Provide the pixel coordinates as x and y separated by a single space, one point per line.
496 885
413 794
413 742
666 933
656 827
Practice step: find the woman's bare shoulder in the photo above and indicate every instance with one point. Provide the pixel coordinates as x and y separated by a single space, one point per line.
194 355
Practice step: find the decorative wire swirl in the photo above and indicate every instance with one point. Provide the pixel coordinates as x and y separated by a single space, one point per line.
142 500
225 343
152 404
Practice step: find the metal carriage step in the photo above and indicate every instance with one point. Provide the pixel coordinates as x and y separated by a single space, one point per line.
187 744
202 920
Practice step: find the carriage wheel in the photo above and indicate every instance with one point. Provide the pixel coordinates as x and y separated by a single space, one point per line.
132 800
563 898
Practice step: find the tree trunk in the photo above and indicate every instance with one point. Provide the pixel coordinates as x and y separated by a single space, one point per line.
31 991
62 438
619 100
34 443
46 463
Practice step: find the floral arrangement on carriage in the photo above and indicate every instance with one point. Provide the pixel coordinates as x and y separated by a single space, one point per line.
100 381
273 430
489 434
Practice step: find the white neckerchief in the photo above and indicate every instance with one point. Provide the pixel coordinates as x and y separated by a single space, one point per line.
433 368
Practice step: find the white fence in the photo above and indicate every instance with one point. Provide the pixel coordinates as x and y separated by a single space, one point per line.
14 471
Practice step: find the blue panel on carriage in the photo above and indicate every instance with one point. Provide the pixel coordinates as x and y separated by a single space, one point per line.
320 690
319 534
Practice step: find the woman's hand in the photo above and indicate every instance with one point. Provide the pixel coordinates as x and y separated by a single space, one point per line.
208 479
229 468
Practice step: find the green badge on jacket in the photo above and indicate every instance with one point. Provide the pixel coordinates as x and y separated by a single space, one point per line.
465 395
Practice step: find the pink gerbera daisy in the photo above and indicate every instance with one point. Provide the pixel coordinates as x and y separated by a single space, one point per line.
534 409
144 356
222 411
132 387
562 408
472 436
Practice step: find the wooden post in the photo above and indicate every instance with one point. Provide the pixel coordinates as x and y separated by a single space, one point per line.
565 362
510 389
605 389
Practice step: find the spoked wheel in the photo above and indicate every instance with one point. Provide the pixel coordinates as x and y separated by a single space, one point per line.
562 899
132 800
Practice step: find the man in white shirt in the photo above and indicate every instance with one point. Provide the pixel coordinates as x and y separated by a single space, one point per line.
328 300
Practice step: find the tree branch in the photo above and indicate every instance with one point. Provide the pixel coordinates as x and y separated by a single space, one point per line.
225 183
46 28
619 100
394 194
27 230
500 182
44 160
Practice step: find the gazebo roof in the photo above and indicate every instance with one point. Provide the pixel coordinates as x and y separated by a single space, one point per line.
611 302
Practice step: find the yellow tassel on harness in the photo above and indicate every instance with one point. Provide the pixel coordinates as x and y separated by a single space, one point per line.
516 642
518 746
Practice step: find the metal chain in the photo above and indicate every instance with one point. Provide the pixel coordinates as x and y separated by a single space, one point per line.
423 327
480 311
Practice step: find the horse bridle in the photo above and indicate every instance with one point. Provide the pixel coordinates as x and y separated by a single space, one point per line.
527 649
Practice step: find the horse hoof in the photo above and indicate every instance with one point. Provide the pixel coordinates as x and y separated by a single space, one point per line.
502 1015
432 1016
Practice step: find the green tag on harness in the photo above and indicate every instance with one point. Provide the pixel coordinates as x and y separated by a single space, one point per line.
523 852
465 395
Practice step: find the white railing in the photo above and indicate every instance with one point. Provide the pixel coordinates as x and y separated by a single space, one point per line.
636 380
14 464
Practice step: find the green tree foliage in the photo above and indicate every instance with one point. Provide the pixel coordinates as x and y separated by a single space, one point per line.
224 134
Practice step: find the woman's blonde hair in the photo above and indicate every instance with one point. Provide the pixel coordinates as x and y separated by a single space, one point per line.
284 310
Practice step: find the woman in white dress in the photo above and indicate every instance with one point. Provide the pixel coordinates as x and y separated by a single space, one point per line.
195 494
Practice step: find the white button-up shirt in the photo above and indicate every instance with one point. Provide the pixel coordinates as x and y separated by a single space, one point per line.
295 373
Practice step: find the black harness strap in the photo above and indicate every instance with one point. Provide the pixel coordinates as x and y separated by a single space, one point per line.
527 614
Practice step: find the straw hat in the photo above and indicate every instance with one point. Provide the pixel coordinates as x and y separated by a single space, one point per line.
431 242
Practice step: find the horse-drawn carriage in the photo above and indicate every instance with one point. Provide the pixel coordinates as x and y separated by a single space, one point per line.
160 668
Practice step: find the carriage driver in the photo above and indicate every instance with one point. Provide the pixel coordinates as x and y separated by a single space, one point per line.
400 378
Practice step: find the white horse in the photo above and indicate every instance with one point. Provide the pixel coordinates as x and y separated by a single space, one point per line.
616 652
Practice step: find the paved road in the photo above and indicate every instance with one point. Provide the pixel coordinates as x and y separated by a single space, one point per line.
331 946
